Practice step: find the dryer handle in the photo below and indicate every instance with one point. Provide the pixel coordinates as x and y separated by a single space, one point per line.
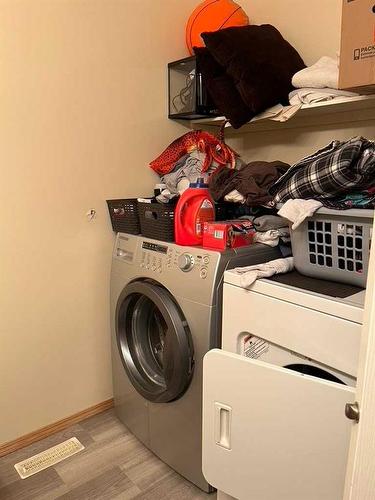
223 422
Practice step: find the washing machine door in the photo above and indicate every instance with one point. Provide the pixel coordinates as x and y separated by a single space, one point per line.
154 341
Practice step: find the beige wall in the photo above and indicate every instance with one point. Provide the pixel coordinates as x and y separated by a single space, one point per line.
83 110
293 144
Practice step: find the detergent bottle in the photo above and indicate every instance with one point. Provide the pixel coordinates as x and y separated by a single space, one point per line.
194 207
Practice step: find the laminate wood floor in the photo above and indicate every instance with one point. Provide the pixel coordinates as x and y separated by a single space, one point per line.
113 465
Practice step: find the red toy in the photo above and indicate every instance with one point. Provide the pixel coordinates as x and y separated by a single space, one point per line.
214 148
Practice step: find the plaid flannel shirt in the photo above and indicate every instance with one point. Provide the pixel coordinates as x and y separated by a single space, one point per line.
335 170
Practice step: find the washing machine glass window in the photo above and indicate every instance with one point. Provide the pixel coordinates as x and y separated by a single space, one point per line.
154 341
148 330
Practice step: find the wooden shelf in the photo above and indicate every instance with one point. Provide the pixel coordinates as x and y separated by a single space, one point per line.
336 111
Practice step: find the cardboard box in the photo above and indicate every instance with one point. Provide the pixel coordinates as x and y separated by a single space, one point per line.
357 54
228 234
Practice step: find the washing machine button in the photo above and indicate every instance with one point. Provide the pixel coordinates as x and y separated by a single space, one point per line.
203 273
206 259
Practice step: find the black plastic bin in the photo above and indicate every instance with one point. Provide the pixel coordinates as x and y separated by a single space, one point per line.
157 220
124 215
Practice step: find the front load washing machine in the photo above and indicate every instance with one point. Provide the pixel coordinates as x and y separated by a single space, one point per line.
166 314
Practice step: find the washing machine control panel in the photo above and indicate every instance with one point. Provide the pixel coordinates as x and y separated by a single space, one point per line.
153 256
160 257
154 247
187 261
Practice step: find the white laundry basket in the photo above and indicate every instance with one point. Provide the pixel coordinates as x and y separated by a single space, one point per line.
334 245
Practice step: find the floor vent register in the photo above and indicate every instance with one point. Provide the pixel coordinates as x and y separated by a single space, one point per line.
48 457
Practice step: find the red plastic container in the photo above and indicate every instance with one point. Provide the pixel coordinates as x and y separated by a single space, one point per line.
193 209
228 234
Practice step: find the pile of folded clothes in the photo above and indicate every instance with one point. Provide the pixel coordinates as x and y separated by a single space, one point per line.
318 83
271 230
340 176
314 84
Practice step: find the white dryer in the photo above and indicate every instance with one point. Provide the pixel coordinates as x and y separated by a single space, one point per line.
274 425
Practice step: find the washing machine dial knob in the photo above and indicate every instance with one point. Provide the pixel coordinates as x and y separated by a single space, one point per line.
185 262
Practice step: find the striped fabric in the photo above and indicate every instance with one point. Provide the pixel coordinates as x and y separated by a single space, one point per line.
331 172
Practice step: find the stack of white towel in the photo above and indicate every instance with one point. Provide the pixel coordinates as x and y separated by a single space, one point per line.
318 83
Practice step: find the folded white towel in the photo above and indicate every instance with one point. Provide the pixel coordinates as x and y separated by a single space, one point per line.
251 273
312 95
297 210
278 113
324 73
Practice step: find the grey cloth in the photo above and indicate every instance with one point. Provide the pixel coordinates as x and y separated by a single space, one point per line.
273 236
165 196
187 169
285 249
251 273
272 230
189 166
265 223
269 222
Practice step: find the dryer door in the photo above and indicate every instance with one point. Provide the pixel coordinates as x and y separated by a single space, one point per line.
273 433
154 342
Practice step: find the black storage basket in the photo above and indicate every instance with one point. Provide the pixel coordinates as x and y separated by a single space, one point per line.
124 215
157 220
